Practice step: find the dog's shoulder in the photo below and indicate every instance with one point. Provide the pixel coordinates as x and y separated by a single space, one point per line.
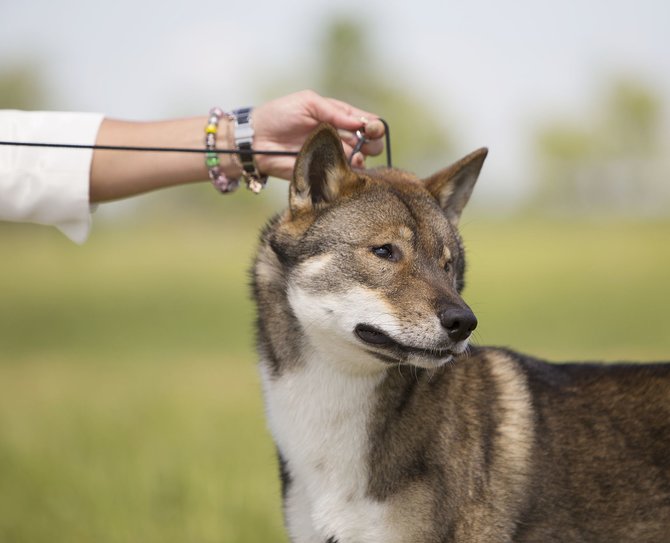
565 376
603 399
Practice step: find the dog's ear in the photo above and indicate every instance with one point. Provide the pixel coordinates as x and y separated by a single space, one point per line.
453 186
321 171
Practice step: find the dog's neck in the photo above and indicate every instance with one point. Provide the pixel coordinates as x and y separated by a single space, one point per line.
319 410
319 417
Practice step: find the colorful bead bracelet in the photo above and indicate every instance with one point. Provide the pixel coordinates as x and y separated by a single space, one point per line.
222 183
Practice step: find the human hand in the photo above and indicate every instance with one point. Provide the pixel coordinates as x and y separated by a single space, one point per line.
284 124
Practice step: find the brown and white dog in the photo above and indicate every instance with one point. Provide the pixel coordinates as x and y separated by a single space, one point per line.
389 427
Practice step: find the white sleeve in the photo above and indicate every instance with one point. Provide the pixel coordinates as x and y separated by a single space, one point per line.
47 185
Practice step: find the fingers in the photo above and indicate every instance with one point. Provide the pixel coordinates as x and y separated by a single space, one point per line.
303 111
358 161
374 129
372 147
349 117
344 116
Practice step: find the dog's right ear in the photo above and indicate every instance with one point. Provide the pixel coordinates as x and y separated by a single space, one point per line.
321 171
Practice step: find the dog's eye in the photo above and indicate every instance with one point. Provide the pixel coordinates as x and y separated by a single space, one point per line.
447 267
385 251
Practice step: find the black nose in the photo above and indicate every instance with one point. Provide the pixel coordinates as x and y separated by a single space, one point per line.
458 321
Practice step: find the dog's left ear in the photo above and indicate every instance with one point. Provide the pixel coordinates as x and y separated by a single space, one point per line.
321 171
453 186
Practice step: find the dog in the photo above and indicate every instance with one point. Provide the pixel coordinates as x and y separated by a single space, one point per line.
389 425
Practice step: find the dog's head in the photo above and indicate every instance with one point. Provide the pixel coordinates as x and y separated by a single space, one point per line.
372 260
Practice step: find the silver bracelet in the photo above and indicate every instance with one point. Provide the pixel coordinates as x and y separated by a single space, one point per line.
244 137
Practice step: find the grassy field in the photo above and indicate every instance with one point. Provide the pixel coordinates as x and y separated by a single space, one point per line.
130 408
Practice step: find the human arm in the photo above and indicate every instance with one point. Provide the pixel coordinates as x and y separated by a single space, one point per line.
280 125
55 186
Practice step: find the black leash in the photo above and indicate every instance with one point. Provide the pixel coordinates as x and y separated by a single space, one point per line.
146 149
360 135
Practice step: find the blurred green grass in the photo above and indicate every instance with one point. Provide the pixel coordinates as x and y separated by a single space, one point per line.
130 408
572 290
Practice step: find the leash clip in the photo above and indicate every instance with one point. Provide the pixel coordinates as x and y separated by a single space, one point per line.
362 140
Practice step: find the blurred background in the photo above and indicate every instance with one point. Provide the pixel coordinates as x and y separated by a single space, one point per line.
130 407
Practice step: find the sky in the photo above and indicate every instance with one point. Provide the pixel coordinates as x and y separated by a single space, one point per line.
490 69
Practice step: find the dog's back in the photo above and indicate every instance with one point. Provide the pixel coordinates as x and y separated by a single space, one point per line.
389 427
602 462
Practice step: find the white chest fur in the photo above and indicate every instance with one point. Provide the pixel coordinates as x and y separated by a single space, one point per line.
318 417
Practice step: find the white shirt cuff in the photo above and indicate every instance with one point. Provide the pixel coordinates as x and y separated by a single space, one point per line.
48 185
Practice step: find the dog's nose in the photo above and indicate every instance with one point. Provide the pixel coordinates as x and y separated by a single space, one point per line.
459 322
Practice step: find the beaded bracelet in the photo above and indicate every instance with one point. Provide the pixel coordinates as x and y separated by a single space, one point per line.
222 183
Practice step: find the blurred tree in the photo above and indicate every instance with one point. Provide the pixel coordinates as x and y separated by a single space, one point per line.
348 69
21 87
632 118
351 72
611 160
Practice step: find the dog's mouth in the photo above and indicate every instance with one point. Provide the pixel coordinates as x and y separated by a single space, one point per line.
375 337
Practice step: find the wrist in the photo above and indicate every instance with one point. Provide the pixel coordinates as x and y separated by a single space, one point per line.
230 164
244 143
231 131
